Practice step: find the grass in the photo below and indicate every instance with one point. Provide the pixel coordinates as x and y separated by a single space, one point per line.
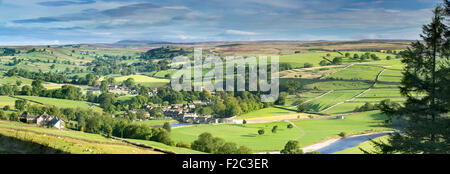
327 85
155 122
63 103
319 130
316 131
67 144
357 72
265 112
58 139
343 108
298 60
176 150
367 146
391 76
5 100
241 134
162 74
144 80
331 99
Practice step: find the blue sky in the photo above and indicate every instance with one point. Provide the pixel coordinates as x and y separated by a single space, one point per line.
29 22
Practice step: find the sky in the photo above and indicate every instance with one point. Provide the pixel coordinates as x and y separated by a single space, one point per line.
45 22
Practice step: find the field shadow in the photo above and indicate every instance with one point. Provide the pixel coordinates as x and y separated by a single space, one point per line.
12 145
250 135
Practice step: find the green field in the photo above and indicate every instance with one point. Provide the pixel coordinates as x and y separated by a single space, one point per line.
265 112
144 80
155 122
6 100
343 108
316 131
63 103
357 72
331 99
298 60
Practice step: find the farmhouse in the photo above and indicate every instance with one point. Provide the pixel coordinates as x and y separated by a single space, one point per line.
29 118
51 121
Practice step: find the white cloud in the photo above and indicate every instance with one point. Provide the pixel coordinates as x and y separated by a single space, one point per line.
238 32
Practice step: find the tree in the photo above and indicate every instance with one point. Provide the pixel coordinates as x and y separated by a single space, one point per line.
37 87
292 147
129 83
337 60
6 108
104 87
108 130
290 126
167 126
427 129
302 107
261 131
3 115
274 129
308 65
20 104
281 98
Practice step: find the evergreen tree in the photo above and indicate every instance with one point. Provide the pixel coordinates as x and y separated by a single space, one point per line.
427 129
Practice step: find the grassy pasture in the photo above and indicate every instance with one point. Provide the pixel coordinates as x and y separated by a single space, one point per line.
357 72
391 76
265 112
343 108
316 131
63 103
144 80
67 141
298 60
176 150
5 100
331 99
155 122
327 85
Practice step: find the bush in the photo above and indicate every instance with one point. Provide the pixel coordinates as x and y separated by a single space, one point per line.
6 108
290 126
209 144
343 134
3 115
244 122
291 147
307 65
183 145
274 129
167 126
261 131
13 117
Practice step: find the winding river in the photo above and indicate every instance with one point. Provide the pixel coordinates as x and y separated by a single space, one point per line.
336 145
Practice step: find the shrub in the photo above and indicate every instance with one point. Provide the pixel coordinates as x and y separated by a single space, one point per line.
343 134
290 126
6 108
291 147
307 65
167 126
183 145
261 131
274 129
244 122
209 144
3 115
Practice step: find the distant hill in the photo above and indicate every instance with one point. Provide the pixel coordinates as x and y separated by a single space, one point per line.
138 43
